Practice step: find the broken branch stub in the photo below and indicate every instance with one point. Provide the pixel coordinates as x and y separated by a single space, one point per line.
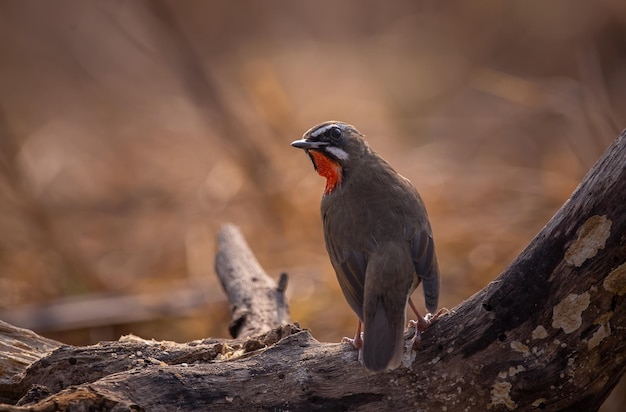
258 304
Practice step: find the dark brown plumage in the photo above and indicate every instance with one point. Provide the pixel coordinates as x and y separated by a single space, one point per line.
378 237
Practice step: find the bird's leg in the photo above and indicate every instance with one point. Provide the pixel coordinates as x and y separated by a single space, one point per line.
424 322
357 342
358 339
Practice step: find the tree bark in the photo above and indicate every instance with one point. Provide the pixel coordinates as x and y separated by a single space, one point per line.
549 334
257 303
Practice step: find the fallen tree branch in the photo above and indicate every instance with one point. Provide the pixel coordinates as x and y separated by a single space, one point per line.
549 333
104 309
258 304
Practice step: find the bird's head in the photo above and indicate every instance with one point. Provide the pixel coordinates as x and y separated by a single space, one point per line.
333 148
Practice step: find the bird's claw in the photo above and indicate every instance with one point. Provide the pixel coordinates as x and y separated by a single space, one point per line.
357 341
421 324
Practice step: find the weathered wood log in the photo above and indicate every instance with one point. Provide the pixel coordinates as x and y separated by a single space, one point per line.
549 333
257 303
19 348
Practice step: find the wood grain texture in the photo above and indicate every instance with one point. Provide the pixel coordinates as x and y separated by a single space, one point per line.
548 334
257 303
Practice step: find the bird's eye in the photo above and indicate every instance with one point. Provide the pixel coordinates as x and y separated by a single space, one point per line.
335 132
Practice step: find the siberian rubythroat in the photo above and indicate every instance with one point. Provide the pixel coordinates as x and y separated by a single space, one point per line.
378 238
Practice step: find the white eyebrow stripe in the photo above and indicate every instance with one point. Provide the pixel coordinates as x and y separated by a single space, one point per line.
322 130
338 152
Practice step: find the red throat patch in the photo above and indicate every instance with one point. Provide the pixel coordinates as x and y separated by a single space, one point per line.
327 168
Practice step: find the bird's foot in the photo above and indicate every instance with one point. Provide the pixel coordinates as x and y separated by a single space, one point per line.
432 318
422 323
357 342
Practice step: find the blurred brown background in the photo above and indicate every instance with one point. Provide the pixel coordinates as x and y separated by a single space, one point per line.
131 130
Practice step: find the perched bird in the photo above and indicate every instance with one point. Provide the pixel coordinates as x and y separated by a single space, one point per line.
378 238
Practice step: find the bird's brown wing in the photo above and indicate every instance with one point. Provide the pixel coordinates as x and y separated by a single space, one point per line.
426 267
350 268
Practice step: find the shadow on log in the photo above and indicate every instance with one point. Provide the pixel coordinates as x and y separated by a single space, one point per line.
547 334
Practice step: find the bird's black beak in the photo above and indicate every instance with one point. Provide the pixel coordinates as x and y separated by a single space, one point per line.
308 144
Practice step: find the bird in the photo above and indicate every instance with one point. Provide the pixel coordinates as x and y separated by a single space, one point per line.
378 237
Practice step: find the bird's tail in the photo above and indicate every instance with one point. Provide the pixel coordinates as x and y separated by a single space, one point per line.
383 342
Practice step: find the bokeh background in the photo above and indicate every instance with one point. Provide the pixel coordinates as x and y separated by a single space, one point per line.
130 131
